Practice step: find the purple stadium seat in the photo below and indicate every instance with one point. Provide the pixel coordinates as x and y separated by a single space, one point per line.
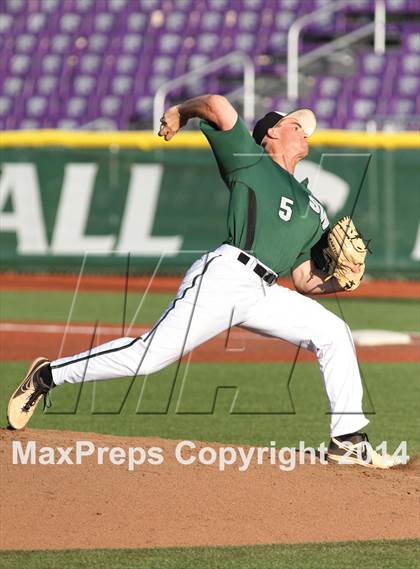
104 22
186 5
196 88
25 43
36 106
361 6
61 43
282 104
143 105
372 64
6 105
248 22
254 4
399 106
293 5
148 6
6 23
277 43
154 82
368 86
221 5
32 124
411 64
97 42
110 106
19 64
168 43
50 7
76 107
137 23
210 22
362 109
84 85
15 6
328 86
132 43
90 63
12 86
283 20
324 108
69 23
176 22
119 5
46 85
208 43
243 41
36 22
411 39
121 85
397 6
323 23
164 64
408 86
126 63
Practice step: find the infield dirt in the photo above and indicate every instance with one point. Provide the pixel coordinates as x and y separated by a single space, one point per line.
106 506
26 341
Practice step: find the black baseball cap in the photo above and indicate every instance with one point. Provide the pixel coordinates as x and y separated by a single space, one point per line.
305 117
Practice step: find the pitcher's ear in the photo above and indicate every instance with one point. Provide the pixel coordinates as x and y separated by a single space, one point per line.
273 132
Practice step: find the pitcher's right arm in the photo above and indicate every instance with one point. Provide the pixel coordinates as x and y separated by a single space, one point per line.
215 109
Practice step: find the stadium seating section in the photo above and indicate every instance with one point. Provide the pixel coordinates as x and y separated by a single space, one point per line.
75 63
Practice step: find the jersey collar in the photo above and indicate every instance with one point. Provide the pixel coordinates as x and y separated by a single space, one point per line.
305 183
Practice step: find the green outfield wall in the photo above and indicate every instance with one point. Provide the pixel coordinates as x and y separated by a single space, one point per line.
93 202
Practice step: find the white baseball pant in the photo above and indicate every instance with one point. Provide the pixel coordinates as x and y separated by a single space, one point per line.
217 292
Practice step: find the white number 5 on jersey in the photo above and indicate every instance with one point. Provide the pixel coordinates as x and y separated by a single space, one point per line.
285 211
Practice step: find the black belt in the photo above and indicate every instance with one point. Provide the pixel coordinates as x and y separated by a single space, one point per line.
267 276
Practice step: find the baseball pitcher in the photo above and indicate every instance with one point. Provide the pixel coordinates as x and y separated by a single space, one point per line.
274 226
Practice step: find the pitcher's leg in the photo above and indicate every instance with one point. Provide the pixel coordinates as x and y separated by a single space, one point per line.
286 314
118 358
199 311
343 384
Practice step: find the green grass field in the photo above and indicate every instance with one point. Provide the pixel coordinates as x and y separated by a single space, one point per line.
264 411
363 555
270 405
387 314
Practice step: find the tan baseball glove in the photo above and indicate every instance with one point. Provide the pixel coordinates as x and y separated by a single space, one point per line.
346 251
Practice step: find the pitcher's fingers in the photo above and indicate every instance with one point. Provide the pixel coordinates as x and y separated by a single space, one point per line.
163 131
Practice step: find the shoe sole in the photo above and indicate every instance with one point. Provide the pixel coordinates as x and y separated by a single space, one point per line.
17 418
349 461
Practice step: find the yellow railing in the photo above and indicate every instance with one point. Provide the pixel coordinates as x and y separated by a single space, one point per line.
146 140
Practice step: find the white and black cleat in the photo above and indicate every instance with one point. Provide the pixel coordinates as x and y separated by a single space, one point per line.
24 400
356 449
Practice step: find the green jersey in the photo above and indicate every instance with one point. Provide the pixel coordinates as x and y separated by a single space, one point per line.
270 213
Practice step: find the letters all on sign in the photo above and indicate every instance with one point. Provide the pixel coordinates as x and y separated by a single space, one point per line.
19 182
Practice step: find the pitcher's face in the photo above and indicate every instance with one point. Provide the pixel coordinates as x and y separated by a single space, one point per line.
292 137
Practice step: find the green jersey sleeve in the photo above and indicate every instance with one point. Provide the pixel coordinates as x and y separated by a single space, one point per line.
233 149
302 257
314 253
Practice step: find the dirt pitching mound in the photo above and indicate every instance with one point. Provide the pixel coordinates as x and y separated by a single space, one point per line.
90 505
